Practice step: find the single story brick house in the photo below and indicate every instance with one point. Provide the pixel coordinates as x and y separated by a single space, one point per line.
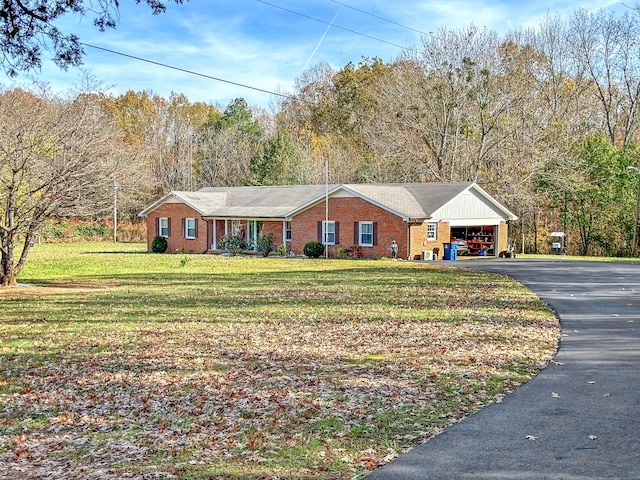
418 216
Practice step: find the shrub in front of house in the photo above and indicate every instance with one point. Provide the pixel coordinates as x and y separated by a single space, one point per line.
265 244
159 244
314 249
234 244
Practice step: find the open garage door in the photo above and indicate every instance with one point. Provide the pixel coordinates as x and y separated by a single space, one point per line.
480 240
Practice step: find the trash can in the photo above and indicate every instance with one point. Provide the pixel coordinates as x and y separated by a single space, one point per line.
450 251
427 255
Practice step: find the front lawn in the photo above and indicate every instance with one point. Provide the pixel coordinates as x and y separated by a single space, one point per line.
116 363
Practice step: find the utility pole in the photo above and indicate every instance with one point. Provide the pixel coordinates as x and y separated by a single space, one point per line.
326 209
115 211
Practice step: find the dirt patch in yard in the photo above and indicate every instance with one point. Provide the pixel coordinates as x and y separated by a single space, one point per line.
30 289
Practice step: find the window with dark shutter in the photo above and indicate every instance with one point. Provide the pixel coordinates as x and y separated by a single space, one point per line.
328 232
366 234
190 228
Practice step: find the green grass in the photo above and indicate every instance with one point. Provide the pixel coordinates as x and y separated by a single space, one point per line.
215 367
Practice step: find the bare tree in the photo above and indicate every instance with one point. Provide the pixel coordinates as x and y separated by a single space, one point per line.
607 49
56 157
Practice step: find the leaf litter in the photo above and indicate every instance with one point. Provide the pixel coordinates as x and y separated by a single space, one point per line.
321 381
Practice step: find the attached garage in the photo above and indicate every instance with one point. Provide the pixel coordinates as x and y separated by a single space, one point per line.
477 221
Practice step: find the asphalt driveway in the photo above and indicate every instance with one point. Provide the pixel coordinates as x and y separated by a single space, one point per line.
580 417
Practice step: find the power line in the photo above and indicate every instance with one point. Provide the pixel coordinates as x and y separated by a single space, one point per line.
190 72
334 25
381 18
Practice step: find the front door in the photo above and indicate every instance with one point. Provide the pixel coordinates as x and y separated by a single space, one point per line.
254 231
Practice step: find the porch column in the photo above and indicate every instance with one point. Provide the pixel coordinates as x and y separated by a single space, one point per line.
284 234
215 234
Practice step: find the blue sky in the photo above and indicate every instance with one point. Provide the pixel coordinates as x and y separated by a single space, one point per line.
255 43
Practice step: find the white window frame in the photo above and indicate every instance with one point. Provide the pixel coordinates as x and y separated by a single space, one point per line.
190 224
287 230
163 227
432 231
328 232
362 233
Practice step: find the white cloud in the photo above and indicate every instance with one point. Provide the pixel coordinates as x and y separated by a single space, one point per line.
248 42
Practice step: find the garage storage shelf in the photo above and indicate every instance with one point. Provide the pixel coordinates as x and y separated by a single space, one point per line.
476 246
480 241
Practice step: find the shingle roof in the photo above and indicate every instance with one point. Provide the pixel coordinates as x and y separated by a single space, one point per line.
239 202
411 201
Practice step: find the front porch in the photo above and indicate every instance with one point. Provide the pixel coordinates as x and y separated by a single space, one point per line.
250 230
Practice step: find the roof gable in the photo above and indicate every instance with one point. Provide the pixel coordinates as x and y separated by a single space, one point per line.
193 199
473 203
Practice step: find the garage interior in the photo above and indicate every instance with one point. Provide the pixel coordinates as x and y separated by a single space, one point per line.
480 240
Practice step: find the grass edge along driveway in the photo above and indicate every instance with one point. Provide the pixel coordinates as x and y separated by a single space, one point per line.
122 364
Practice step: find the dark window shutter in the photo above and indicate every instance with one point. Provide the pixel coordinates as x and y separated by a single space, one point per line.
168 227
356 233
196 222
337 233
375 233
320 239
184 227
157 226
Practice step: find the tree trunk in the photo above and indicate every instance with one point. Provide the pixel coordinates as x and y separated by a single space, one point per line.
7 271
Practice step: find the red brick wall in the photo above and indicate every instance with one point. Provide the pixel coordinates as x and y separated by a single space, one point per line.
346 211
176 212
274 228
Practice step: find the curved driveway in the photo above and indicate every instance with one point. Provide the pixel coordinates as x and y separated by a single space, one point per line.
580 417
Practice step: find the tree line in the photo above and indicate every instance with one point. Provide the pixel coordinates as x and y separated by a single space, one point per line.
545 119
